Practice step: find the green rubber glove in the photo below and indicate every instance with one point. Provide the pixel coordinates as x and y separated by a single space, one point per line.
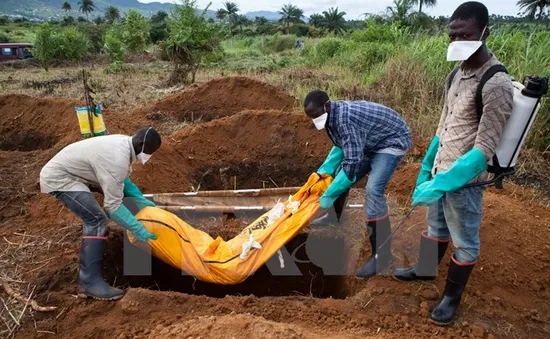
124 218
333 160
428 162
339 185
132 191
464 169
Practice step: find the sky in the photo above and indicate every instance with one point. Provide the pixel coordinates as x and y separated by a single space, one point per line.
354 8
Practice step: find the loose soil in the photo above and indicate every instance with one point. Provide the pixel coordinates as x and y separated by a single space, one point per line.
249 145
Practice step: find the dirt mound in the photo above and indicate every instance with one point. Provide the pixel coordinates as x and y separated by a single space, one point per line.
257 148
222 97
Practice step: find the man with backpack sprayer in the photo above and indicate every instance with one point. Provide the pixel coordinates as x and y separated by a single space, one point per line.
458 155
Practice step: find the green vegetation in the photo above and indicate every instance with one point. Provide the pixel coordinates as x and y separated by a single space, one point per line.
396 58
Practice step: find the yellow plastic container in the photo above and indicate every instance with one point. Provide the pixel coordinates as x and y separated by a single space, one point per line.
97 122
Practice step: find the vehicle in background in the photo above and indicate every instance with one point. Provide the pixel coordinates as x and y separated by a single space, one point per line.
15 51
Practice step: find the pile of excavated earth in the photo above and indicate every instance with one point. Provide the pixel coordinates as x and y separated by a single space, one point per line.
238 131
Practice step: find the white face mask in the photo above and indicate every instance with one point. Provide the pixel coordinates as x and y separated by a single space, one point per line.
144 157
463 50
321 121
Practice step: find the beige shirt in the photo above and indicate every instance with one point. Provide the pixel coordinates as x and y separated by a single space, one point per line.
103 161
459 130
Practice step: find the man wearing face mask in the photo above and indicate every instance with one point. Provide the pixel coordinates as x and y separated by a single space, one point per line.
368 138
104 162
458 156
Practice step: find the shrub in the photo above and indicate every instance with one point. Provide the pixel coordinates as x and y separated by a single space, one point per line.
72 44
4 20
283 43
136 32
119 67
327 48
95 34
114 46
299 30
45 45
4 38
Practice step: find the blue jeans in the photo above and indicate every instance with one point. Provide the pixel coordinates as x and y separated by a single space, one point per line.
380 168
458 216
84 206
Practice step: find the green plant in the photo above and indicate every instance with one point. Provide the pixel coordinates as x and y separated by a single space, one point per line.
4 38
112 14
119 67
299 30
114 46
333 21
159 27
327 48
95 35
136 31
45 45
73 44
192 37
283 43
86 7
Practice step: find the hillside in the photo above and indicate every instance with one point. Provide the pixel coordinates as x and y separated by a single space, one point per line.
46 9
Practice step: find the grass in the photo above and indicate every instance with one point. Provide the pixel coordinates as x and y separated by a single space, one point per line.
19 32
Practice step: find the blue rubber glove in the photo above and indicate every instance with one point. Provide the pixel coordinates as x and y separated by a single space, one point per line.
333 160
132 191
339 185
428 162
463 170
124 218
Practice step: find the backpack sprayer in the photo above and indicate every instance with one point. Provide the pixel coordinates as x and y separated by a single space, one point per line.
526 104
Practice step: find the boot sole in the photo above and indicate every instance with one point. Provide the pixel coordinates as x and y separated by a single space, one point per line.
412 280
86 296
439 323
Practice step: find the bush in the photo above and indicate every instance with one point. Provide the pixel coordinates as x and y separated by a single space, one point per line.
68 21
4 20
363 56
283 43
95 34
72 44
114 46
374 31
136 32
4 38
327 48
45 45
299 30
67 44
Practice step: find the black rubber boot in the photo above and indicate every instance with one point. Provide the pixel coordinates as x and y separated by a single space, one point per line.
431 253
381 257
457 278
91 283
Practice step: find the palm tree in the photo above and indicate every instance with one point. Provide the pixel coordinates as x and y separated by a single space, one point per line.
231 9
260 21
400 11
316 20
291 14
530 7
333 21
221 14
428 3
66 7
112 14
242 21
86 7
